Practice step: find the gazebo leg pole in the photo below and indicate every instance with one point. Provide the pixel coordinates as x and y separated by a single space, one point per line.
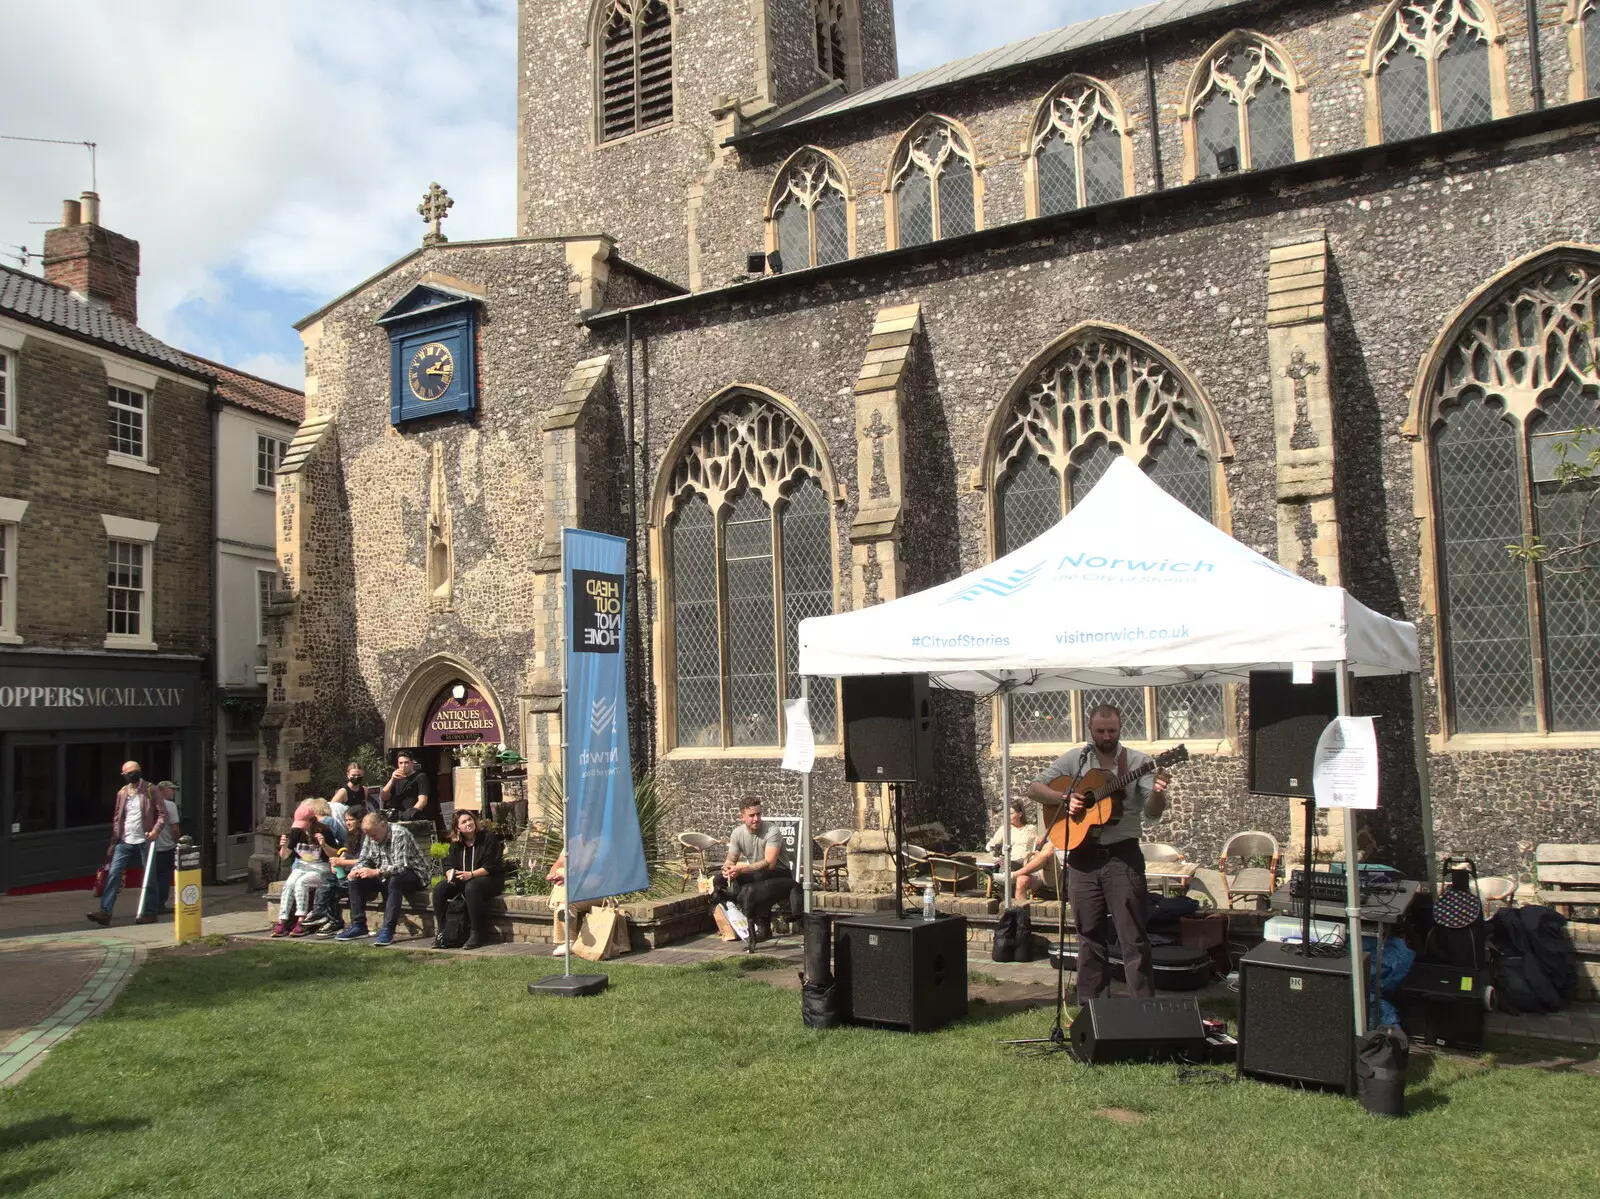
1419 741
1005 795
1352 880
805 806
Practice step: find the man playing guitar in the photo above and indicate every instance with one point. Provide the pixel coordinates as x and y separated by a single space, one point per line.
1105 874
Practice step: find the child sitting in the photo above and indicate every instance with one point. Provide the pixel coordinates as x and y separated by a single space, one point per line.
306 843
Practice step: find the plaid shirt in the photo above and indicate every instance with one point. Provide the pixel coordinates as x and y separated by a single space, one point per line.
399 852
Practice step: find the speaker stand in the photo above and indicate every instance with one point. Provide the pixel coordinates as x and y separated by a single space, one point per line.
1305 900
897 798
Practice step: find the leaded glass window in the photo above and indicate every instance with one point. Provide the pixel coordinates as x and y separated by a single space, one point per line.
1521 641
1591 48
933 184
1243 105
750 542
1078 148
1103 397
634 61
1433 68
810 212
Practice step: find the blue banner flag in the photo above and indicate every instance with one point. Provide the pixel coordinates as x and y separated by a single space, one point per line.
605 853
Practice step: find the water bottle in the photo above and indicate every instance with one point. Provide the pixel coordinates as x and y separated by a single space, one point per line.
927 902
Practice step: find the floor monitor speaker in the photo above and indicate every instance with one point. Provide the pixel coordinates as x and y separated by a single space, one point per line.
1286 718
1138 1030
906 973
888 728
1296 1022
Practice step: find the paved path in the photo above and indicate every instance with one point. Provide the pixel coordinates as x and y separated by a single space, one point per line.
57 969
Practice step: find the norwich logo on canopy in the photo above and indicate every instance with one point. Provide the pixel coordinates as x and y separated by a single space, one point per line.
1018 580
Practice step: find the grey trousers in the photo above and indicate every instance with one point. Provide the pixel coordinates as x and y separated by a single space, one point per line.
1106 888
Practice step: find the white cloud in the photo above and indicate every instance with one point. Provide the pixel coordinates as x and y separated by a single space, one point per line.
289 371
284 145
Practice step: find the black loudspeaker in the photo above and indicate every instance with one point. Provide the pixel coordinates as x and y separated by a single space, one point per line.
1443 1005
1296 1017
906 973
888 728
1138 1030
1285 721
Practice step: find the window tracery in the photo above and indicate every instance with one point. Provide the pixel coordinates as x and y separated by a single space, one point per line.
1079 149
1434 62
1583 47
933 184
750 539
1520 640
1103 396
809 214
633 58
1243 104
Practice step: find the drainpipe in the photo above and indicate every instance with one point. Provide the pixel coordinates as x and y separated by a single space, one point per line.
647 733
1155 114
1535 66
210 846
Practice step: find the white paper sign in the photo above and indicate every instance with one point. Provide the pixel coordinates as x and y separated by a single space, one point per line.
1303 674
1344 771
801 750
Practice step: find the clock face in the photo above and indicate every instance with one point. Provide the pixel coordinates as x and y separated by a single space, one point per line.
431 370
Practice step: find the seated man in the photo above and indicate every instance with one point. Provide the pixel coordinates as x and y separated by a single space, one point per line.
390 861
756 873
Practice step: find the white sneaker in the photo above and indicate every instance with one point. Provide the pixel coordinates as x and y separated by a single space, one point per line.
560 951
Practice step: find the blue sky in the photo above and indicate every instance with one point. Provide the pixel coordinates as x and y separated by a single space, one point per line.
265 155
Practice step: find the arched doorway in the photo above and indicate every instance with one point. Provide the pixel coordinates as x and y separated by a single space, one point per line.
443 703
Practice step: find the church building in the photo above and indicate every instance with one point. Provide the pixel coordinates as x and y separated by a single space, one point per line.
814 336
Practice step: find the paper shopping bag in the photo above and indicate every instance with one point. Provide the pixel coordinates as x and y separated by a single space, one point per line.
604 935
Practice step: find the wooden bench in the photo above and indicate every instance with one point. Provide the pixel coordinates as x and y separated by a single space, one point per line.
1568 876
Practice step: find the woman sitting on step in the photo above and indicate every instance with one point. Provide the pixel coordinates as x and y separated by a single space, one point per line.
475 868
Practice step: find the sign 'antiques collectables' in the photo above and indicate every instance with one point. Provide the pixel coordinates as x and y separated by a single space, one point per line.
464 721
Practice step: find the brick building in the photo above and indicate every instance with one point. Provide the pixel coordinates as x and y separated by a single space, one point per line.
136 527
817 336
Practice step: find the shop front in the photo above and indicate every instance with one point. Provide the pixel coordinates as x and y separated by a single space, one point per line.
67 723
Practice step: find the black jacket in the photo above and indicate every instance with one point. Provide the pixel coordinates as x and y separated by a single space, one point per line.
488 852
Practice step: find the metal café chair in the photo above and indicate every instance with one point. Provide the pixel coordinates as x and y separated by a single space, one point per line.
698 855
832 863
1249 882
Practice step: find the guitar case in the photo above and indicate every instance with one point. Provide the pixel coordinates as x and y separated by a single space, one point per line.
1176 967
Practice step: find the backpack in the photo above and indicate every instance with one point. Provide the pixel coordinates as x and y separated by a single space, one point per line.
1459 936
456 925
1005 936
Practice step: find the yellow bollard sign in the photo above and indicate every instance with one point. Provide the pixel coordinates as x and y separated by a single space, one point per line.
186 916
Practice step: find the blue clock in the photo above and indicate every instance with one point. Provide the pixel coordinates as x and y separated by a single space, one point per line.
432 353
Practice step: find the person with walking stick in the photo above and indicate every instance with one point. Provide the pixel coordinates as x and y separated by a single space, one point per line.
136 823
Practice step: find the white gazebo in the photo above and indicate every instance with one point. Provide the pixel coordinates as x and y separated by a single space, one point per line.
1131 588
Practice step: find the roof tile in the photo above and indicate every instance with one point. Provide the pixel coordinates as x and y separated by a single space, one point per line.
32 298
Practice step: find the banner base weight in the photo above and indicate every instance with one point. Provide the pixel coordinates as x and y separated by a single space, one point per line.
570 984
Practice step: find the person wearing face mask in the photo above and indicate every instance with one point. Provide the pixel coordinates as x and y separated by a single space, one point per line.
136 824
352 795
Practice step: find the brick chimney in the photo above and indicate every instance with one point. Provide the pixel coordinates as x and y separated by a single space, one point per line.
91 261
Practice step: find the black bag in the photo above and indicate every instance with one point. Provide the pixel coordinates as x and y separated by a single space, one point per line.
1005 936
456 925
1459 935
1025 951
1381 1061
819 1006
1548 972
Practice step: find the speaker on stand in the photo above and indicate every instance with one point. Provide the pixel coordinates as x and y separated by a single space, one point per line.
888 728
1286 718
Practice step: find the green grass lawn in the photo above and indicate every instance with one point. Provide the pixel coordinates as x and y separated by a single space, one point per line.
309 1070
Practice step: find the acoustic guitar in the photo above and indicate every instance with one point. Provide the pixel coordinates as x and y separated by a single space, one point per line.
1102 795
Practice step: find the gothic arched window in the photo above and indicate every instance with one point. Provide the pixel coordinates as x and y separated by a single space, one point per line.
1079 151
933 186
1434 64
1104 395
633 67
1518 386
749 555
1583 48
808 213
1246 109
831 59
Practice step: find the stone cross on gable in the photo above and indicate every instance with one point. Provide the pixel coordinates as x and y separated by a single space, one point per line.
436 205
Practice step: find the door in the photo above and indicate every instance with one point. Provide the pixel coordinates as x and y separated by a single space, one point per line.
236 837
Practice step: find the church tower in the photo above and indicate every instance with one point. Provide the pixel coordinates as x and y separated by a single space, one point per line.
622 105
